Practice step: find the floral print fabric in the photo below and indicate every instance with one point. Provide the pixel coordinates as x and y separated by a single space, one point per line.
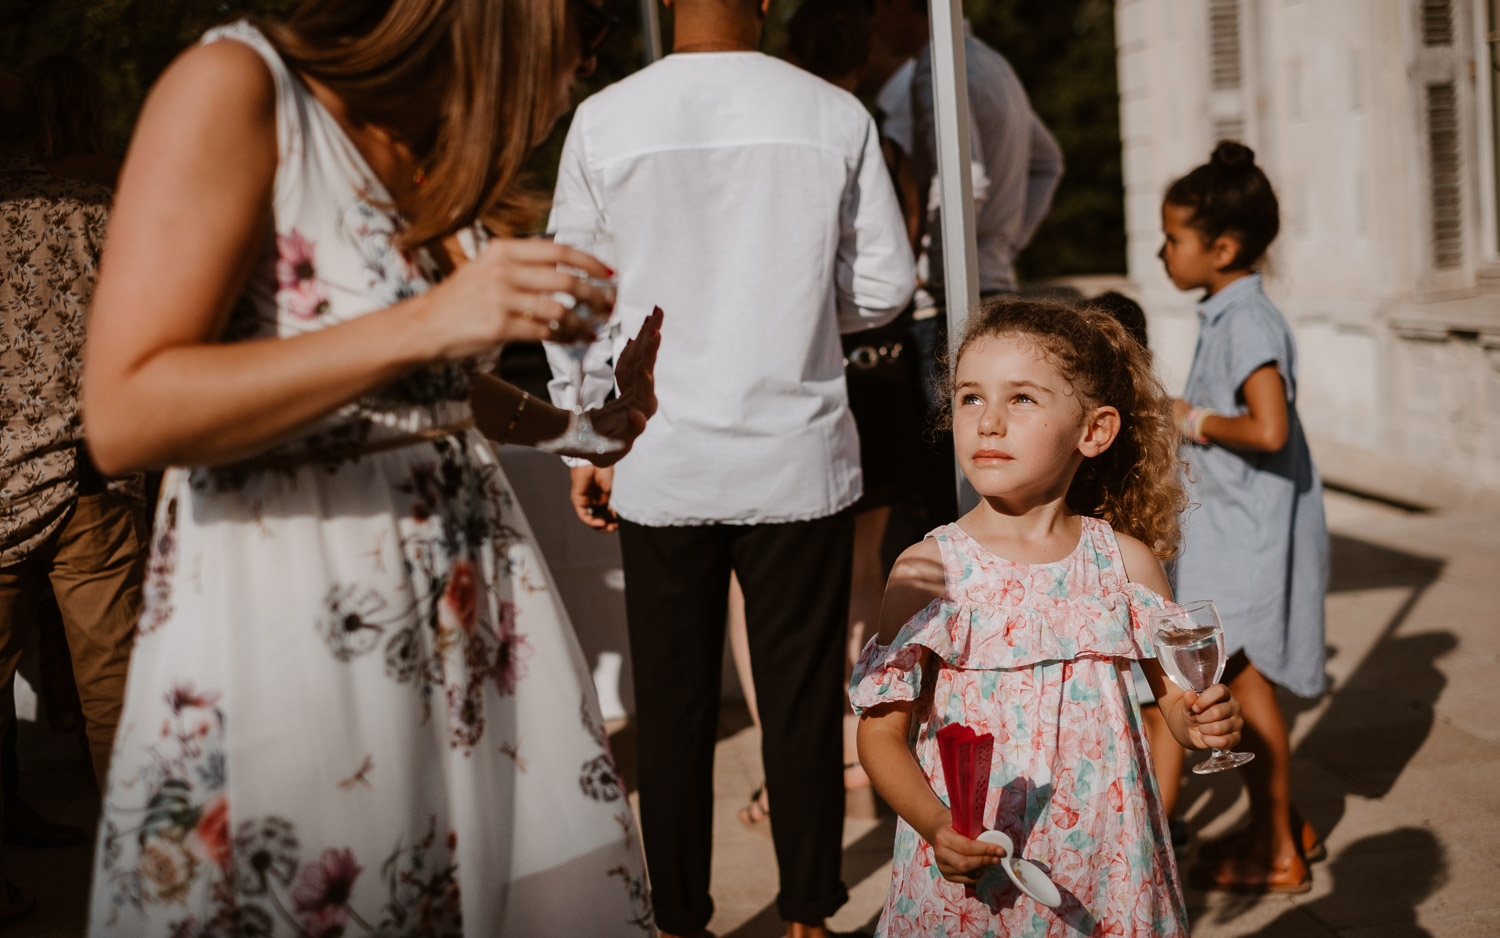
356 706
51 233
1034 654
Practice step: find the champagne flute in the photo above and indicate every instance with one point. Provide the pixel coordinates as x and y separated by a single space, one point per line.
1189 643
580 438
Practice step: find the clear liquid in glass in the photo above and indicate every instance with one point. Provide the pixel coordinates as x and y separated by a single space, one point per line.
1189 642
1192 657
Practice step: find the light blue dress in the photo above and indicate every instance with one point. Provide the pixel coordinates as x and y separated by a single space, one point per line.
1254 539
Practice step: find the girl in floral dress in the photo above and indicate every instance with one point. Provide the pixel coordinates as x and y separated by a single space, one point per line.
1019 621
356 706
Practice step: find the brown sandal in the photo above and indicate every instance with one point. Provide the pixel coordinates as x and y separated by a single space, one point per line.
1242 841
1241 874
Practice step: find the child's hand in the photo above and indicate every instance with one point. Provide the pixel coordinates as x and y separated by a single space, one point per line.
1213 718
960 859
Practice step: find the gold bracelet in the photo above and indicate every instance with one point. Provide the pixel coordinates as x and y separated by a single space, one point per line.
515 418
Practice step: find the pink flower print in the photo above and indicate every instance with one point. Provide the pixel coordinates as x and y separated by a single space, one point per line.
1005 592
924 853
297 278
511 653
899 926
184 695
324 888
461 598
961 921
973 706
212 832
1116 795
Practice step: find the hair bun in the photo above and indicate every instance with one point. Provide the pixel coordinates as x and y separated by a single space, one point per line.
1231 154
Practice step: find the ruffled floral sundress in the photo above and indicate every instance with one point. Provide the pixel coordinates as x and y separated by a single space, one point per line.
356 705
1034 654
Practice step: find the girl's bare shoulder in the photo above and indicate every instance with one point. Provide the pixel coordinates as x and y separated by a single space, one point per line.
1142 565
916 580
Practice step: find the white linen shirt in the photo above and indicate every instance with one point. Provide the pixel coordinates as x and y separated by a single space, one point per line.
749 200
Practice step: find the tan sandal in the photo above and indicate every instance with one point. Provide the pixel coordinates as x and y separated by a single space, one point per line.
1241 874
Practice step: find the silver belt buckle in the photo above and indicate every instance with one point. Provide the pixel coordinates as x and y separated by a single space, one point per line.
865 357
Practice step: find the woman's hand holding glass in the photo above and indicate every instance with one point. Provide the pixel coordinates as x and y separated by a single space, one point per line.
593 316
509 291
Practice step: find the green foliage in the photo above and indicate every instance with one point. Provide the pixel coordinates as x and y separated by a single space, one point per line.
1064 52
128 43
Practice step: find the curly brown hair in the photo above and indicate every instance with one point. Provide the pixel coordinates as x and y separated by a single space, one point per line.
1135 484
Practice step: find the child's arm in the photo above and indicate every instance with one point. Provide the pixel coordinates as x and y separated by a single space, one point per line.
1263 428
884 749
1209 721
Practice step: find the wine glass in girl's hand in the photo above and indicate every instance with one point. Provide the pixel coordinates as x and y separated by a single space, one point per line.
1189 644
592 319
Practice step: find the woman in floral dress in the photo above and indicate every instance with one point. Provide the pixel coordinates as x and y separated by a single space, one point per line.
356 706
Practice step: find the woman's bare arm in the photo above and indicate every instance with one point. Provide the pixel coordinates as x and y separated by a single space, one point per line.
190 219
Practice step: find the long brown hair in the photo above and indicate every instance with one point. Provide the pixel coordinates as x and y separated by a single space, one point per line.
1134 485
487 66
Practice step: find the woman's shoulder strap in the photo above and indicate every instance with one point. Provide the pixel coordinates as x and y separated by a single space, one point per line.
290 109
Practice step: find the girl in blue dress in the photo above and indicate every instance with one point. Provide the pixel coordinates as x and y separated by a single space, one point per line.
1253 537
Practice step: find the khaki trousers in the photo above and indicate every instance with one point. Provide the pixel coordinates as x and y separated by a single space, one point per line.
94 565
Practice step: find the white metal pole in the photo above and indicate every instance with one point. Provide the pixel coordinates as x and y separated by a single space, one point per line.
651 26
950 93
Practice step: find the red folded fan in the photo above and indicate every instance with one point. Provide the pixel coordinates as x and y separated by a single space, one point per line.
966 759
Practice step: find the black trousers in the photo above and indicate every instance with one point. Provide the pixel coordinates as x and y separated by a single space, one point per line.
795 578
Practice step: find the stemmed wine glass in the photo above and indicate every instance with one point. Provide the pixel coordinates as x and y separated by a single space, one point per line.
1190 646
581 439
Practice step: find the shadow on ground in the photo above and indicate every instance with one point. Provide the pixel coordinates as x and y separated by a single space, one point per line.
1375 722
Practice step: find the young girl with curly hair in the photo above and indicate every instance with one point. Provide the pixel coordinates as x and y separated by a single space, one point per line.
1019 621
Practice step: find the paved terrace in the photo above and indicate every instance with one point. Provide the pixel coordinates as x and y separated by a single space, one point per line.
1399 764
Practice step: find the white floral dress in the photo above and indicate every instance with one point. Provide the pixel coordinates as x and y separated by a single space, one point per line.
356 706
1034 654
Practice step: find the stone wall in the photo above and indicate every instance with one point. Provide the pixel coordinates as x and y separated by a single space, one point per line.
1375 120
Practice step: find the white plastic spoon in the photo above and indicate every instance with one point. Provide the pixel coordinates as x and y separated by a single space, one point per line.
1027 876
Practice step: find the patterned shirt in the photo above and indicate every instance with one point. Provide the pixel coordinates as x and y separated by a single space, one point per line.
51 233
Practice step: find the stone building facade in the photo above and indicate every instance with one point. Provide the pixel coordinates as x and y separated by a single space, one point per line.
1378 123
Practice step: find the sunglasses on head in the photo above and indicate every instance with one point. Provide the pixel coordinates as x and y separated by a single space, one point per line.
594 25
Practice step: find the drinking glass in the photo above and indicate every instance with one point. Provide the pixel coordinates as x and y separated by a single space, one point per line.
581 439
1190 646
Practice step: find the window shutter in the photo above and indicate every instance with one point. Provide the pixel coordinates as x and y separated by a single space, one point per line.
1445 184
1225 70
1437 22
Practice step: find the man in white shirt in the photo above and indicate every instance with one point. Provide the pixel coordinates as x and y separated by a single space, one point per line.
749 200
